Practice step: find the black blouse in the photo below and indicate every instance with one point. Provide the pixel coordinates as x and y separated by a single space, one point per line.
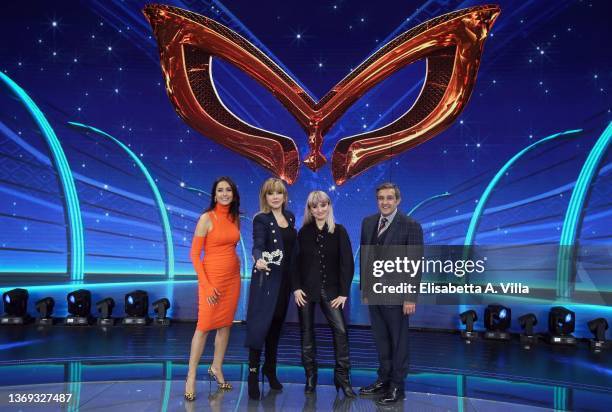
288 236
322 261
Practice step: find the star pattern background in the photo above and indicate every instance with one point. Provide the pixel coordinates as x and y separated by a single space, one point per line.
545 69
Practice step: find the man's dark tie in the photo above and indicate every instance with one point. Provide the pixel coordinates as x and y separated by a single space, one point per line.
382 226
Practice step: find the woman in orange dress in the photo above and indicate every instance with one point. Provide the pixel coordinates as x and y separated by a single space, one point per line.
217 233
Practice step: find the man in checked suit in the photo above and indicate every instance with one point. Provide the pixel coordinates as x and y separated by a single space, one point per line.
390 322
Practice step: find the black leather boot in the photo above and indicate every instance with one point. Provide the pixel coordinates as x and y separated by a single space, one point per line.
311 382
342 378
309 347
342 381
269 366
269 371
253 379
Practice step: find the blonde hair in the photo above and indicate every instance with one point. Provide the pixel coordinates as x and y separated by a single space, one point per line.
314 198
272 185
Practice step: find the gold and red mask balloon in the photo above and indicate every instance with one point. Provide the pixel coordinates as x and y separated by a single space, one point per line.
452 44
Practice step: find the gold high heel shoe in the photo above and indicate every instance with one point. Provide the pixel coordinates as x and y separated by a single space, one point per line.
226 386
189 396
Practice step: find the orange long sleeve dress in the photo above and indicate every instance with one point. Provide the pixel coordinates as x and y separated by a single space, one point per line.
220 269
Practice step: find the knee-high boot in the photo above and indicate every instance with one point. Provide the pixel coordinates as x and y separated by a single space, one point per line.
309 348
269 366
342 379
253 379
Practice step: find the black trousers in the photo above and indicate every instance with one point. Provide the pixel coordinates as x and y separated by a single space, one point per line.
274 331
390 330
335 320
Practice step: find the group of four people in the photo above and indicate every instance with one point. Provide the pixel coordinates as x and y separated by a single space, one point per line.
315 265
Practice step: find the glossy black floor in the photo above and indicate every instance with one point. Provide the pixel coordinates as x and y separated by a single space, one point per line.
143 369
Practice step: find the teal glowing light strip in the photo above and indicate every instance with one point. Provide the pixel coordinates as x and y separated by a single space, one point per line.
573 215
75 370
429 199
480 206
167 386
158 198
195 189
246 273
244 374
461 386
560 401
76 243
104 285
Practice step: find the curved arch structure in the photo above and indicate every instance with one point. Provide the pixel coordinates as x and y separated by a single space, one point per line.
429 199
158 199
480 206
574 216
486 194
76 244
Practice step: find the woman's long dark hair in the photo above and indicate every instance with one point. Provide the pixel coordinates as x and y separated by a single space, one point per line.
234 211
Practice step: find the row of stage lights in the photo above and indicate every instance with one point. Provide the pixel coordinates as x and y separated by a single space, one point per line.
561 325
497 318
79 307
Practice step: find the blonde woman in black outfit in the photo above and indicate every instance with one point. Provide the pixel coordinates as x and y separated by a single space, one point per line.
322 272
273 237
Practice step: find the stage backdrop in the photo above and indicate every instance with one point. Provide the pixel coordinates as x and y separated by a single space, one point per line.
101 182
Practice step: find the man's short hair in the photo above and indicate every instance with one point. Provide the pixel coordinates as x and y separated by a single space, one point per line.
389 185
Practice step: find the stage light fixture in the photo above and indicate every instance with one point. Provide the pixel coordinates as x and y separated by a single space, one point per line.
79 307
468 318
136 308
45 308
15 303
598 328
160 307
527 322
105 308
497 321
561 324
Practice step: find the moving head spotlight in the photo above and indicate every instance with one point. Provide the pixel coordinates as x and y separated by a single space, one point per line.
136 308
105 308
160 307
468 318
561 324
79 307
45 308
15 303
598 328
497 322
527 322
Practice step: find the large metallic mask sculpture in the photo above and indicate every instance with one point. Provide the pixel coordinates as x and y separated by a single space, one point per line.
452 44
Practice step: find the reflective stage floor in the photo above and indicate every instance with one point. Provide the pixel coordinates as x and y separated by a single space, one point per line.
167 396
143 369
